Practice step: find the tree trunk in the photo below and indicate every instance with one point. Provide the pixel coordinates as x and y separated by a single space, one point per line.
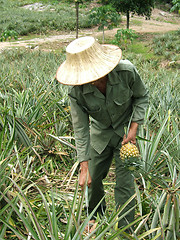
103 34
127 16
77 18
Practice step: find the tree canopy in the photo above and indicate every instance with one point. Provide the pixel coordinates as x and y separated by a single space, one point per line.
104 16
176 5
140 7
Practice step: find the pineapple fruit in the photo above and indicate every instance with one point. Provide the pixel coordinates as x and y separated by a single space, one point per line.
130 155
129 150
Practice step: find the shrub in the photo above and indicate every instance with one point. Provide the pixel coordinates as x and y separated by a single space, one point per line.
8 34
123 37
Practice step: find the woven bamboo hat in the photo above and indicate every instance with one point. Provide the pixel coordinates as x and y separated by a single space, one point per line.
87 61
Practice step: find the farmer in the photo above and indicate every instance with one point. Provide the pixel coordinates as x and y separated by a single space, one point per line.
105 94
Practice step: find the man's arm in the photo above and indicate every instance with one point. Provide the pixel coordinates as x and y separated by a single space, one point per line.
139 105
140 98
80 120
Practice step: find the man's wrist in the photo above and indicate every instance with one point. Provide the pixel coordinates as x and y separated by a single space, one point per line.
84 165
134 125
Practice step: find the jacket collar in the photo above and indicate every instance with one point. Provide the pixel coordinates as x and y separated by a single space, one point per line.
113 79
88 88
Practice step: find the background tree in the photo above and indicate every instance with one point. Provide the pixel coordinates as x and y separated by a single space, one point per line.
104 16
140 7
176 6
77 2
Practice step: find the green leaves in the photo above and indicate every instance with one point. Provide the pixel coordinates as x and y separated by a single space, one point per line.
8 35
39 196
104 16
35 103
176 5
124 37
167 45
143 8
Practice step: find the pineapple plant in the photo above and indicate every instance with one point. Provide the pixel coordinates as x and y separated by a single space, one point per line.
130 156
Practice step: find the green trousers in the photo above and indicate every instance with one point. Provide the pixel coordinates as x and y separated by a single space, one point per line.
99 166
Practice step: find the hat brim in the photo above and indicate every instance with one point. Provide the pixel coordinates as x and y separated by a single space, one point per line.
90 70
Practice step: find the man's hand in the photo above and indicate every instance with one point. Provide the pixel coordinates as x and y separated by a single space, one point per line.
84 175
131 137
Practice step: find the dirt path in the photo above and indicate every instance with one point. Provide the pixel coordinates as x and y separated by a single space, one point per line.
160 22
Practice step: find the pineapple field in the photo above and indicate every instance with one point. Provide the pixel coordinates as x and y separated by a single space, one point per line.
39 194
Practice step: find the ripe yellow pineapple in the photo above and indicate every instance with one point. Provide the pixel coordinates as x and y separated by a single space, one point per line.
129 150
129 154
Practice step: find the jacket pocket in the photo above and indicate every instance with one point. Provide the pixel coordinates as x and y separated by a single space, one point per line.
123 103
92 111
123 98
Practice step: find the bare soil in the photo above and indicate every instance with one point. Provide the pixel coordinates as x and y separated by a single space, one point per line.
160 22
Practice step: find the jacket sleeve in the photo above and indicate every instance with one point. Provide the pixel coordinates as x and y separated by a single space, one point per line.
80 120
140 98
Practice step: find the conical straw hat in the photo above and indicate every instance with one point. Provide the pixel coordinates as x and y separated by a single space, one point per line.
87 61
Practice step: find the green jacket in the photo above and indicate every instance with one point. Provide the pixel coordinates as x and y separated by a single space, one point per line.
95 117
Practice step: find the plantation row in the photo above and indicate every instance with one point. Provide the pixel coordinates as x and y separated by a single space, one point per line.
36 154
58 17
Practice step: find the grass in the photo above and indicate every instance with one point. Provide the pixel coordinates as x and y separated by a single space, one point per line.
24 21
136 22
142 50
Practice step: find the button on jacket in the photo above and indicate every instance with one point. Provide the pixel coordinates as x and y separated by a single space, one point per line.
96 117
